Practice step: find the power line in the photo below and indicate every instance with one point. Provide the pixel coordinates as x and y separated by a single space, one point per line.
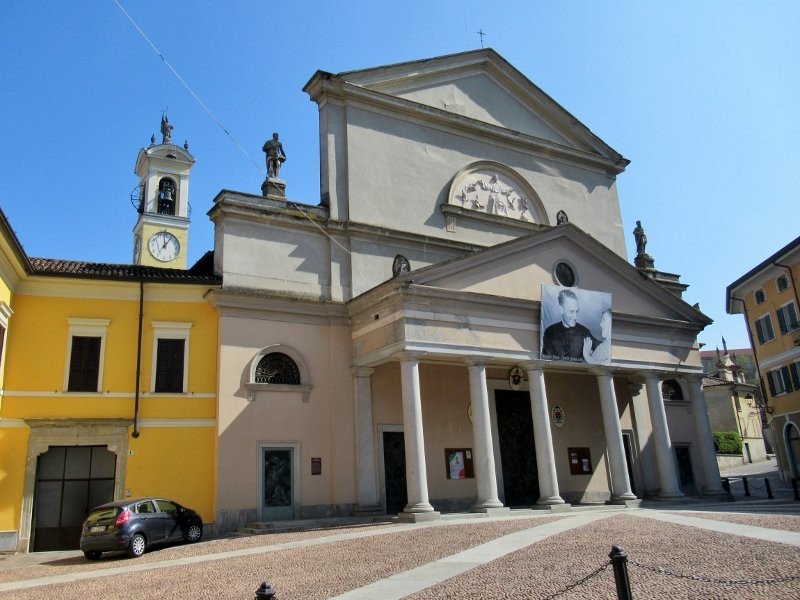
218 122
187 86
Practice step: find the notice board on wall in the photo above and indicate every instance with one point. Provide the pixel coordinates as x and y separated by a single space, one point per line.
458 462
580 461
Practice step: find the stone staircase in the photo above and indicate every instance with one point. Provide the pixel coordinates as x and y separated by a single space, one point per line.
265 527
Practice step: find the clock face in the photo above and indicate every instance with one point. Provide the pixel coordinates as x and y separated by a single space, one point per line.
164 246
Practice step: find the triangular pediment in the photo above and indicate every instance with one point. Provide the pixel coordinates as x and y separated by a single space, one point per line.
482 86
517 270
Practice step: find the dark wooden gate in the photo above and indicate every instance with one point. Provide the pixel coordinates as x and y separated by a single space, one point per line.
517 450
70 481
394 469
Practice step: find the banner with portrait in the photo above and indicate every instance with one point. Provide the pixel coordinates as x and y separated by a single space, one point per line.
575 325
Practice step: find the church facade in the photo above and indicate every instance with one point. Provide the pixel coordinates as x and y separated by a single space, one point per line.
382 351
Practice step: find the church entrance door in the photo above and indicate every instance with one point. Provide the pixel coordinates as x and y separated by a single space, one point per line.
517 450
394 469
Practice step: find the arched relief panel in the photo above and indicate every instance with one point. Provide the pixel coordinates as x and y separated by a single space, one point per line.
279 363
488 190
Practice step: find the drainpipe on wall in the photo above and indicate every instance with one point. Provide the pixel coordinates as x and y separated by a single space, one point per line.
135 433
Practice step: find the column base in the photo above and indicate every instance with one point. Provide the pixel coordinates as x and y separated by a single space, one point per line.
622 498
492 511
627 502
418 517
550 500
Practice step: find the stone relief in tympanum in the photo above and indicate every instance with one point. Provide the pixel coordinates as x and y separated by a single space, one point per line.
493 194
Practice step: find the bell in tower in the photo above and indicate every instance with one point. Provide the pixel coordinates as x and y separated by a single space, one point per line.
161 233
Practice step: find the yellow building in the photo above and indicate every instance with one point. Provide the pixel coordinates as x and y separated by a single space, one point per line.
767 296
109 374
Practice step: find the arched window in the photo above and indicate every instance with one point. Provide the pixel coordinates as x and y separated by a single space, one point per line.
277 368
671 390
167 192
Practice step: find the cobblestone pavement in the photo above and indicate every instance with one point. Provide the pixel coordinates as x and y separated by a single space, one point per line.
669 558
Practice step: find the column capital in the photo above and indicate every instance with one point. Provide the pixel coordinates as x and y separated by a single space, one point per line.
475 361
533 365
600 371
362 371
651 374
408 355
695 378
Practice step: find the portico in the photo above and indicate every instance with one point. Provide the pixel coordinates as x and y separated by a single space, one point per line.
451 354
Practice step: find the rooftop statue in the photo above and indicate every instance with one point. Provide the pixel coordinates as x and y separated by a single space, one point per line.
275 155
166 130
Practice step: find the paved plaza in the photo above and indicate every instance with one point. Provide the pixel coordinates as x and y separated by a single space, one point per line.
744 549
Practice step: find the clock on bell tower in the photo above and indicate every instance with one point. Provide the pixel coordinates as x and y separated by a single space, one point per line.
161 234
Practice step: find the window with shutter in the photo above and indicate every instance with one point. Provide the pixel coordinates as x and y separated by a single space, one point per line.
84 366
794 369
169 365
787 318
764 329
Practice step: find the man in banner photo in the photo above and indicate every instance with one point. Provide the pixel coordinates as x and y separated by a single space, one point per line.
567 339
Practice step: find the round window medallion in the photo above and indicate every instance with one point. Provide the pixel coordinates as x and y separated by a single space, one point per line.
565 275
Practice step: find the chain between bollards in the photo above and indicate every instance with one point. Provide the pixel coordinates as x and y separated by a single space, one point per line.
619 560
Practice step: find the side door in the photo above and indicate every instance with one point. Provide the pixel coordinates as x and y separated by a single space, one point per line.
152 525
170 517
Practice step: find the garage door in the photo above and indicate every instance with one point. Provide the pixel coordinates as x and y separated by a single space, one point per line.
70 480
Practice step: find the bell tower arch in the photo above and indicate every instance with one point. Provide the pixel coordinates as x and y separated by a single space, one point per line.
161 234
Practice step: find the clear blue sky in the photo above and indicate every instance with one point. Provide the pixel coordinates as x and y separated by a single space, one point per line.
702 97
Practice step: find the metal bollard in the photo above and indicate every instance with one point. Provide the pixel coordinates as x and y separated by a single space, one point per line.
726 485
619 560
265 592
769 488
746 487
795 490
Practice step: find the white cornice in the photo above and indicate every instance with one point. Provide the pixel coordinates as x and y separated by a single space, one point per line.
789 355
76 287
246 304
392 106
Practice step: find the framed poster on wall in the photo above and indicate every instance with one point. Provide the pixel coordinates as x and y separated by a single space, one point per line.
458 462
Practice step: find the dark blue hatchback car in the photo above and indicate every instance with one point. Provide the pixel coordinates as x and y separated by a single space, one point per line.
133 525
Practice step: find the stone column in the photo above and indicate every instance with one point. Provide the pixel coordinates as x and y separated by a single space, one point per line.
712 484
620 482
416 470
543 438
667 471
368 499
643 428
483 451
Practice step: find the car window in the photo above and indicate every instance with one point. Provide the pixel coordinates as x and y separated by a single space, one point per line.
143 508
102 514
167 507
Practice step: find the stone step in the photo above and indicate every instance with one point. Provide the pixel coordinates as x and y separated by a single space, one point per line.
264 527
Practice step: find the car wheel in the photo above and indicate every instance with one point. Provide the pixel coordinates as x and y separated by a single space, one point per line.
137 546
92 554
193 533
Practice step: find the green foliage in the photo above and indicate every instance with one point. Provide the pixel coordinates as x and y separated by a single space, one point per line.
727 442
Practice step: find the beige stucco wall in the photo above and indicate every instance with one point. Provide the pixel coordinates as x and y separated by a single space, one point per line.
323 426
392 183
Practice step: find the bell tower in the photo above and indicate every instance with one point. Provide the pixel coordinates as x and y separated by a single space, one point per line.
161 234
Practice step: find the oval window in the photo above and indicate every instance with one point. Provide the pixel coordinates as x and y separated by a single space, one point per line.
565 275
